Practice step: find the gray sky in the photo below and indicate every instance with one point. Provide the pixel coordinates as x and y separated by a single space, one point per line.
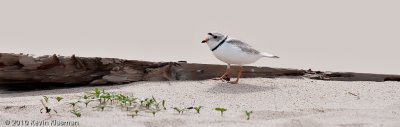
336 35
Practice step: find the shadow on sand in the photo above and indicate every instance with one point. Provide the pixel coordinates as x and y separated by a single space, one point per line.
238 88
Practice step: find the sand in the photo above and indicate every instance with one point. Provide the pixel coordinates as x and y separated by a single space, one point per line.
279 102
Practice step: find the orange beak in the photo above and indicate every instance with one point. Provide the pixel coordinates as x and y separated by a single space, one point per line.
205 40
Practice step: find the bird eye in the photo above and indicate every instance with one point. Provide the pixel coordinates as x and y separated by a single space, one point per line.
215 37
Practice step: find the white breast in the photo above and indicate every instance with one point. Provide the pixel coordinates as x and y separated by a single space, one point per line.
232 54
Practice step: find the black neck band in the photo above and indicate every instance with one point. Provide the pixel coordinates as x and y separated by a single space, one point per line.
215 48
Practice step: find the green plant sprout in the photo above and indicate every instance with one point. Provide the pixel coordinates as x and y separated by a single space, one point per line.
86 102
222 110
148 102
59 99
73 104
106 96
107 99
85 97
157 106
102 107
76 113
154 112
97 94
198 109
163 104
113 97
134 113
125 100
180 111
248 113
46 99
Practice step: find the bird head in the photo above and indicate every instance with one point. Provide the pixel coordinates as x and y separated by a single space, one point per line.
213 38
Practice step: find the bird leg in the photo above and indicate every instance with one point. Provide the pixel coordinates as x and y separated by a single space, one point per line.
228 70
238 75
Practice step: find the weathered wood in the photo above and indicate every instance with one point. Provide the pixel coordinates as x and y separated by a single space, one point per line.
351 76
25 69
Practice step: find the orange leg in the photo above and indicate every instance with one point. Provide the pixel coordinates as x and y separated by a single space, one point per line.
238 75
228 70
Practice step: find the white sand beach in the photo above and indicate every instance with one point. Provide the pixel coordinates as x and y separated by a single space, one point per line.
279 102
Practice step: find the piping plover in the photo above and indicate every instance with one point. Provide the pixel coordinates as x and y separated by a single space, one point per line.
233 51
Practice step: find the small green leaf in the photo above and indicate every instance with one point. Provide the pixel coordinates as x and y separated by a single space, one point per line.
59 99
163 104
248 113
46 99
73 104
76 113
222 110
198 109
87 102
180 111
136 111
85 97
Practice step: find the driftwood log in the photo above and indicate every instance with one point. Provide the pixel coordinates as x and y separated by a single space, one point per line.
26 69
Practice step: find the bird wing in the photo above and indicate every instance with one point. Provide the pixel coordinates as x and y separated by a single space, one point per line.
243 46
269 55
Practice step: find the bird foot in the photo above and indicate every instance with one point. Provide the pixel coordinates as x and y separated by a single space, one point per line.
226 78
223 78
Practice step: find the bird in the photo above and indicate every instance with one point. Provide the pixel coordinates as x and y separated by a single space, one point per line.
233 52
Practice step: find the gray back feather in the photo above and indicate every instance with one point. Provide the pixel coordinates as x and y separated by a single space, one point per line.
243 46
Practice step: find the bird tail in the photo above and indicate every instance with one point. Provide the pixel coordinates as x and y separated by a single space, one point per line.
264 54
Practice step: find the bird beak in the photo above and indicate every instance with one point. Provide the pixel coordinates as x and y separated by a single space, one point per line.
205 40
